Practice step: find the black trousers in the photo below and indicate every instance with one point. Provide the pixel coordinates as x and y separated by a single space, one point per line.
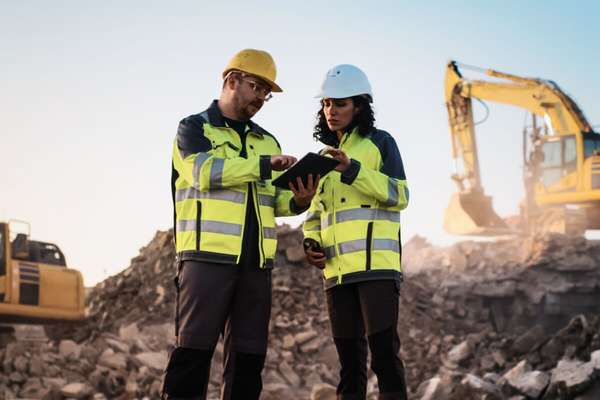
366 314
215 299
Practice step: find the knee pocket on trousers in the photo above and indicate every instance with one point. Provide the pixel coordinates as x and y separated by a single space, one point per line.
187 372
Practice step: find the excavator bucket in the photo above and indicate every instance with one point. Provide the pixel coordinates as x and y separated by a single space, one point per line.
472 214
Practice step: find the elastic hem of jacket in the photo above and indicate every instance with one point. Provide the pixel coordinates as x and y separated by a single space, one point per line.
295 209
207 256
269 263
265 167
363 276
350 174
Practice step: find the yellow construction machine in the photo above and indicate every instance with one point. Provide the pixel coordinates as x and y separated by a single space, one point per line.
36 287
561 158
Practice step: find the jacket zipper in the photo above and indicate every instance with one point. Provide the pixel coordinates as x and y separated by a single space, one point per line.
198 224
254 191
369 245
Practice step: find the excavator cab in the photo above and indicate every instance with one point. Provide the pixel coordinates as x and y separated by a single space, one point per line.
36 286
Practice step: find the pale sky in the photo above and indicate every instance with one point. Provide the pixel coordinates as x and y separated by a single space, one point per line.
92 92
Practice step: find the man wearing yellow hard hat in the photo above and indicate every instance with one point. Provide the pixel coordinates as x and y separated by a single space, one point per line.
224 229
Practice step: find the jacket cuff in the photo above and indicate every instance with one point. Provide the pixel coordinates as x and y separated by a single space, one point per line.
265 167
350 174
295 209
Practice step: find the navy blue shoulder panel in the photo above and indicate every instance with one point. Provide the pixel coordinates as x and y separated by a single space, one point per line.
190 136
392 161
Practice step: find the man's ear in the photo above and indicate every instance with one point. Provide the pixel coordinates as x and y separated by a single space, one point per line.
230 82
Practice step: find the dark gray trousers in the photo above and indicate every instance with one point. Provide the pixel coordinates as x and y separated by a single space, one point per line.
215 299
368 309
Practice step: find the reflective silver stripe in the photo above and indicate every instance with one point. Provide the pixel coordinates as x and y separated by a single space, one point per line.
313 220
200 159
327 222
386 244
216 173
266 200
352 246
313 215
392 199
406 193
226 195
366 214
224 228
186 225
270 233
329 252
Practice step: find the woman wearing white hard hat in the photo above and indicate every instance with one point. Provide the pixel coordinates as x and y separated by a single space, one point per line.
352 233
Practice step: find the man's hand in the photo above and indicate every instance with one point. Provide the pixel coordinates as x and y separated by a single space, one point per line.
341 157
316 258
282 162
304 195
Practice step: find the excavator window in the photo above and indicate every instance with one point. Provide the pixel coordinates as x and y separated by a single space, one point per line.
552 164
570 153
591 144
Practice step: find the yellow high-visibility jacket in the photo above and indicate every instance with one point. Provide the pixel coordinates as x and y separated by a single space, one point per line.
210 184
355 216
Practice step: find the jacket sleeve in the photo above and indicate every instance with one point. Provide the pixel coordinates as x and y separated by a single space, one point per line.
388 185
194 161
312 224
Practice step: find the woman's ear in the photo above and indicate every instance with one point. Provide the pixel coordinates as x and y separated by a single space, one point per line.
357 110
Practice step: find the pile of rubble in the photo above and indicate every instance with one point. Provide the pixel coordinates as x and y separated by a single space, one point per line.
479 320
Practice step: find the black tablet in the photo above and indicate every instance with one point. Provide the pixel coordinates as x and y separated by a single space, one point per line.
311 163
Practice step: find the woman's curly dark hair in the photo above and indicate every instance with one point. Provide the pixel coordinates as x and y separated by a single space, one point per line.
365 120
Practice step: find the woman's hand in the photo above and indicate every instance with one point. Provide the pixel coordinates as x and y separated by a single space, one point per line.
341 157
316 258
304 195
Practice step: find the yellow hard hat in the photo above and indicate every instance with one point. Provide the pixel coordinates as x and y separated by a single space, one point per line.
255 62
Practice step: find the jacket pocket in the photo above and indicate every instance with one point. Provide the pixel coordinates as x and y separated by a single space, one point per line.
368 245
198 224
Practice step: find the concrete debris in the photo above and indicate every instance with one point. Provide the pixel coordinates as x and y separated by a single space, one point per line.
512 319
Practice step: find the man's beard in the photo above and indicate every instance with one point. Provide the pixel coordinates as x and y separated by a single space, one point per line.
244 111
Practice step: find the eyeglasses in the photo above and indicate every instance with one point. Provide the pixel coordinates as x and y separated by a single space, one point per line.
259 89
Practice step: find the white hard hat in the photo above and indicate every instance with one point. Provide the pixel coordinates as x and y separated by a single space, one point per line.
344 81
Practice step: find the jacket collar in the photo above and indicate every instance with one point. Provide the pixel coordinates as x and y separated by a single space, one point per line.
215 118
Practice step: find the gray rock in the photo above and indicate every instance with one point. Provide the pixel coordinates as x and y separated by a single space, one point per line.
323 391
129 333
118 346
572 376
21 364
289 375
533 383
432 389
113 360
69 349
481 386
76 390
460 353
513 376
526 342
155 360
304 337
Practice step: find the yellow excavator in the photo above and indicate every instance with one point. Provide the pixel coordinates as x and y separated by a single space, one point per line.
36 287
561 158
